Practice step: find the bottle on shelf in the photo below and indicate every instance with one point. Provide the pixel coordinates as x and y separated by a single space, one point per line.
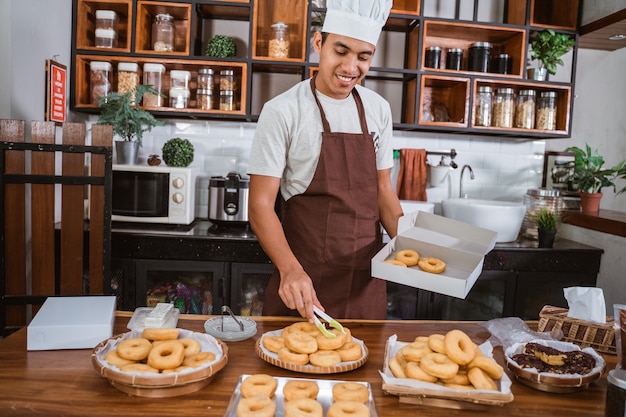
127 78
433 57
163 33
545 118
106 29
479 56
153 75
503 107
99 80
484 100
279 43
502 64
525 109
454 59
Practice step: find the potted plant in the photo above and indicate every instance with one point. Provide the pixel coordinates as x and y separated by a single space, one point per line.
178 152
548 47
129 121
589 177
221 46
547 222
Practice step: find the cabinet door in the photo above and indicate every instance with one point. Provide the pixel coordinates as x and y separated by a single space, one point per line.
247 287
123 283
195 287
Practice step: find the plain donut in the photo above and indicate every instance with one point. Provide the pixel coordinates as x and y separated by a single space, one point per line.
134 348
432 265
258 384
303 407
409 257
256 407
348 409
459 347
350 391
167 355
295 389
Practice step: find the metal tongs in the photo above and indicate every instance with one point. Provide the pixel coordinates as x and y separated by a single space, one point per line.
331 322
226 309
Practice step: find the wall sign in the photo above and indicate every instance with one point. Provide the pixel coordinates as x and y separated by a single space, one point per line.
56 91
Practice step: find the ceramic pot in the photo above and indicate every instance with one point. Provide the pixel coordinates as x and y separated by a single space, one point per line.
590 202
546 237
126 152
537 74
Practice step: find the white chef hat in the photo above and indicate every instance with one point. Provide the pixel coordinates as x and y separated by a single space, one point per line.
358 19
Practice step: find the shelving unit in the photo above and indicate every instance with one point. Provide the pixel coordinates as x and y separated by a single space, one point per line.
421 98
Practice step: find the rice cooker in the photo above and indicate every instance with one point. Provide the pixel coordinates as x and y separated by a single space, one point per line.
228 199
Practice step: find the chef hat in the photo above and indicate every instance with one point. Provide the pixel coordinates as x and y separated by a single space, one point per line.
358 19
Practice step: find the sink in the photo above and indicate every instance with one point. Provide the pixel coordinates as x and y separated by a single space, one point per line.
503 217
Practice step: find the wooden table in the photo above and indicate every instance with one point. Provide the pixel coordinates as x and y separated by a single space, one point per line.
64 383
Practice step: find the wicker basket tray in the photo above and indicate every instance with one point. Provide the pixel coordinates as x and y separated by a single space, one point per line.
600 337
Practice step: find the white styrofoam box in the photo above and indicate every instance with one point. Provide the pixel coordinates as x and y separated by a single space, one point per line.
460 245
72 323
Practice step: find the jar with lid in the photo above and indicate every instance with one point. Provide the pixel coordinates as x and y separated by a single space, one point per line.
479 56
227 100
433 57
227 80
179 98
525 109
205 78
179 79
536 199
99 80
502 64
279 43
454 59
106 29
163 33
153 75
546 111
204 96
127 78
503 107
484 96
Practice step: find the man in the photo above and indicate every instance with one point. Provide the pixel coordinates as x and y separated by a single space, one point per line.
325 144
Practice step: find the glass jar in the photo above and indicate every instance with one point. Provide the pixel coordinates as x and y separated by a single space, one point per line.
179 98
454 59
503 107
227 80
482 116
179 79
163 33
127 78
279 43
536 199
106 29
502 64
433 57
205 79
205 98
525 109
99 80
227 100
153 75
545 118
479 56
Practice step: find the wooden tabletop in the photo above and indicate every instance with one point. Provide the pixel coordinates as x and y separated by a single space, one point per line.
64 382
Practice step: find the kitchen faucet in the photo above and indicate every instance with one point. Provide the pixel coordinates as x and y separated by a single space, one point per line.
471 171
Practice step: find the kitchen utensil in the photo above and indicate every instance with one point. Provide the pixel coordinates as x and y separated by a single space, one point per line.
228 198
331 322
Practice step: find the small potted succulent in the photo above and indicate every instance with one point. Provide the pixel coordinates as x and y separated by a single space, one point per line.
178 152
548 47
221 46
547 223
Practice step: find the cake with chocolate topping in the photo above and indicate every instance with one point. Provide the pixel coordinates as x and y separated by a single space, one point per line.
547 359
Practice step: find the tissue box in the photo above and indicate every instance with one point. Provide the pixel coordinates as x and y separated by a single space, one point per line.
72 323
460 245
599 336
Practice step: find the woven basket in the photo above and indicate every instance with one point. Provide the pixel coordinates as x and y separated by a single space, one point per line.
600 336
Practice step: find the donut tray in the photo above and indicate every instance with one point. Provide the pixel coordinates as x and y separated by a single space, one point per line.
325 395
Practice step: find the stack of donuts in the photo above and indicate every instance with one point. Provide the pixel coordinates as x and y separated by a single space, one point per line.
302 343
158 350
410 257
452 360
300 398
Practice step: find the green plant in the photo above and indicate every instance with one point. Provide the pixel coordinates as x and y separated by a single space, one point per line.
588 175
178 152
548 46
121 111
547 219
221 46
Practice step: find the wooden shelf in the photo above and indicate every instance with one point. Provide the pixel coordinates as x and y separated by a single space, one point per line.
293 13
86 23
555 14
147 10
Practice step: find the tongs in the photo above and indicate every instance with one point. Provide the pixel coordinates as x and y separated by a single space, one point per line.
331 322
226 309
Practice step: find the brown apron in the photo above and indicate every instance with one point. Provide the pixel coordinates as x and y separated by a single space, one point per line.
333 227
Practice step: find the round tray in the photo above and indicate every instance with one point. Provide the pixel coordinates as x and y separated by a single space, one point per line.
232 332
272 358
158 385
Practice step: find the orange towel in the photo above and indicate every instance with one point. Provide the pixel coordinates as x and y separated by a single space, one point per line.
413 175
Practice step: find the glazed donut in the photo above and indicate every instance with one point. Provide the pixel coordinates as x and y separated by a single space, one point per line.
324 358
489 365
303 407
192 346
258 385
439 365
435 343
295 389
167 355
134 348
396 369
415 351
256 407
409 257
159 333
287 355
480 379
175 370
459 347
302 326
116 360
395 262
273 343
139 367
300 342
350 391
432 265
199 359
350 351
331 343
415 371
348 409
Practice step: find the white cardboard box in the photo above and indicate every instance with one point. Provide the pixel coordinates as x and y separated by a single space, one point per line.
460 245
71 323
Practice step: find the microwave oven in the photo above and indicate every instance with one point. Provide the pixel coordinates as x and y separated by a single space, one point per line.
153 194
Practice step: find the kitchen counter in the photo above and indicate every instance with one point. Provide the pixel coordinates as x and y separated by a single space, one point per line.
64 382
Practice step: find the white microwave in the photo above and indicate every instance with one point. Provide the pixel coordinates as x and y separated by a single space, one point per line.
153 194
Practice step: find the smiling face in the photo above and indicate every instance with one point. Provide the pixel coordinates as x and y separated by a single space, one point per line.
344 61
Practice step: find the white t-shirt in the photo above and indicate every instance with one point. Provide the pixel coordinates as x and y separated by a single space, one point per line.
288 136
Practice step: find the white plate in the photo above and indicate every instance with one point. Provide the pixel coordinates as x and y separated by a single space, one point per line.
230 332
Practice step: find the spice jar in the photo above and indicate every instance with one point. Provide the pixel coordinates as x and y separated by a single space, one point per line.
163 33
502 64
433 57
546 111
99 80
106 29
205 98
479 56
525 110
227 80
127 78
227 100
179 97
503 107
536 199
454 59
279 43
482 115
153 75
205 78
